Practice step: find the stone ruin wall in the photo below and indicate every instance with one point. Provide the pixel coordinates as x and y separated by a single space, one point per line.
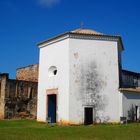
3 78
18 98
21 99
29 73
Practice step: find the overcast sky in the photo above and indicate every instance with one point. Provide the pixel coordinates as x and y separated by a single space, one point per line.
24 23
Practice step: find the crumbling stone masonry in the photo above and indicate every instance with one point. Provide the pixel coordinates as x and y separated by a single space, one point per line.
28 73
18 98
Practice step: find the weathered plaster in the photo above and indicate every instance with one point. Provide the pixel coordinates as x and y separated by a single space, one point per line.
17 96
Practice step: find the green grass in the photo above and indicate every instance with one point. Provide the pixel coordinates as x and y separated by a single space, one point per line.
32 130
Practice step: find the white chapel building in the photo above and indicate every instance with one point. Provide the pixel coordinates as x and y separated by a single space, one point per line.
81 80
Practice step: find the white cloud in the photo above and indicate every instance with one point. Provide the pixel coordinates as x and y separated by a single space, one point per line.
48 3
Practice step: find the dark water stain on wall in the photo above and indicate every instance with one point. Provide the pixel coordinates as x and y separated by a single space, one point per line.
91 87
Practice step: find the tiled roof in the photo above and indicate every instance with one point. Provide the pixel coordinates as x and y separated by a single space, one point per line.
86 31
137 90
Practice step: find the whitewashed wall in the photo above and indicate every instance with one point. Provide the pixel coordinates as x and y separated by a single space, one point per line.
94 74
55 54
88 74
130 100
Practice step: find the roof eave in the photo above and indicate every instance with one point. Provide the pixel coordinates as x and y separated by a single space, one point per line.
70 33
130 90
51 39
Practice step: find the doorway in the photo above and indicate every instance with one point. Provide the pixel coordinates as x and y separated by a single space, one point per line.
88 115
52 108
137 110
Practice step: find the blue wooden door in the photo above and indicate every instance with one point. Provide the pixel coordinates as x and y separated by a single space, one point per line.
52 108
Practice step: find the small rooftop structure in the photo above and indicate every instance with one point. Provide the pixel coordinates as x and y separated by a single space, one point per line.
86 31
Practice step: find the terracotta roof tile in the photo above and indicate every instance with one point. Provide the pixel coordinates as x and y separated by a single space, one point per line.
137 90
86 31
